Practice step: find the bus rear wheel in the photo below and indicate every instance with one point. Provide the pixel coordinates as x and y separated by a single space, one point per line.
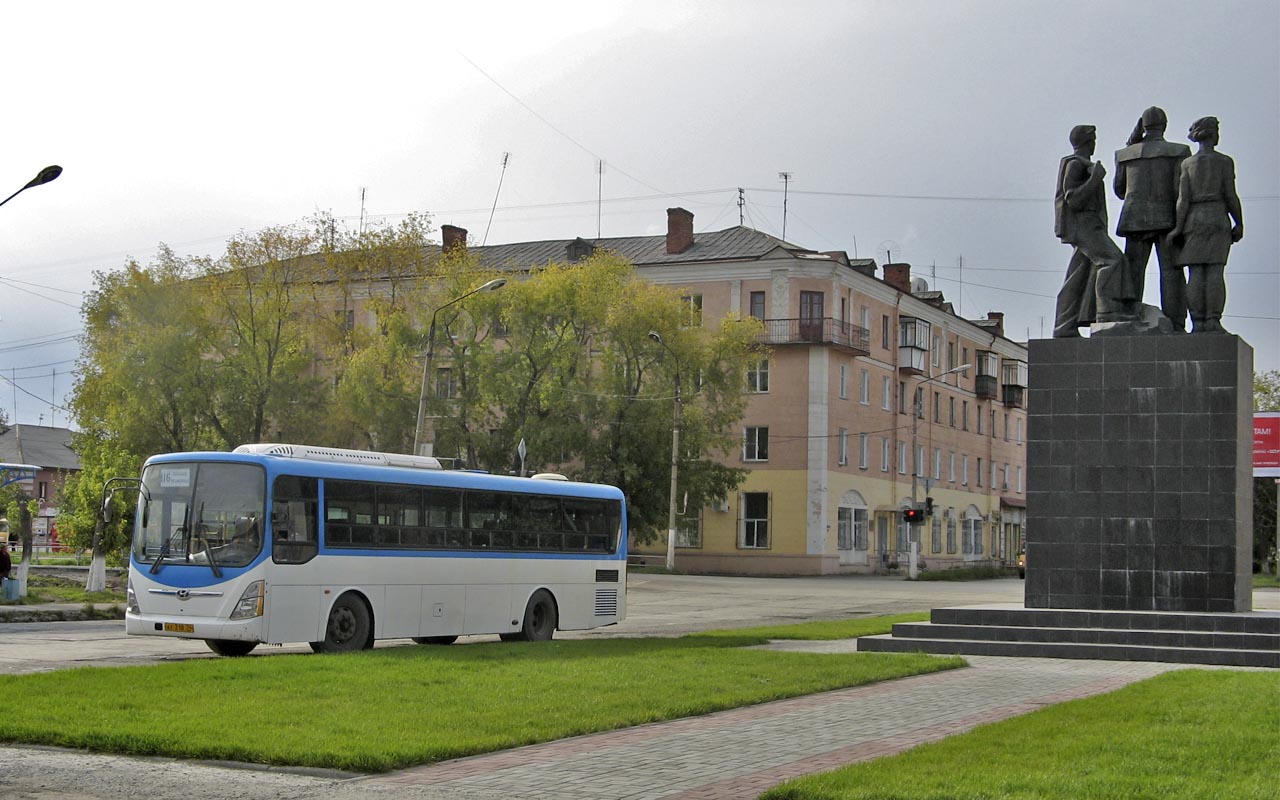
540 618
435 639
349 628
230 647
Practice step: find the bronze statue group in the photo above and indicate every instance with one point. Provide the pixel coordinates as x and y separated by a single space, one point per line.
1184 206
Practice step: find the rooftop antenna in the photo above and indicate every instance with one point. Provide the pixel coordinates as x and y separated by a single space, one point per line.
505 158
960 300
362 191
599 192
786 183
742 201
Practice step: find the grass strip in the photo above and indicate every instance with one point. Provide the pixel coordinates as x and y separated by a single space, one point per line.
1186 735
394 707
820 629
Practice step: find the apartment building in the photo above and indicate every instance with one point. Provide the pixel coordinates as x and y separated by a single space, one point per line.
860 409
47 453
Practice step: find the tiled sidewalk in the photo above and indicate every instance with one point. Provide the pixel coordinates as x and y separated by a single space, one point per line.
739 753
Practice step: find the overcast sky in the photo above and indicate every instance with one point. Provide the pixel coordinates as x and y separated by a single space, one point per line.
930 129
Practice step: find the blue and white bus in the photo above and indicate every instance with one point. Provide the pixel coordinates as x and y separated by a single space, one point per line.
337 548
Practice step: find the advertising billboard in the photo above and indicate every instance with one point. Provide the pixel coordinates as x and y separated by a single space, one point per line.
1266 444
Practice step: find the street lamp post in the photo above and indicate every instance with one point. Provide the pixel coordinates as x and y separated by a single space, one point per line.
44 176
420 447
675 457
916 461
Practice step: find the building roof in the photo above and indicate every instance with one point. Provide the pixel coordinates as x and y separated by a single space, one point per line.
732 244
41 446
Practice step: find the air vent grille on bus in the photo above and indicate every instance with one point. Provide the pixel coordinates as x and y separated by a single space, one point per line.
340 455
606 602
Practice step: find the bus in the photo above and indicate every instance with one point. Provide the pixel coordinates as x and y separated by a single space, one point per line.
281 543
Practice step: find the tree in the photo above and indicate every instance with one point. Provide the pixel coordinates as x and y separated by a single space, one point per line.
80 503
141 356
256 366
575 375
1266 397
20 508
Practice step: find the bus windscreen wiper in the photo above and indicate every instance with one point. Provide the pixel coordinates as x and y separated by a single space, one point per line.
213 564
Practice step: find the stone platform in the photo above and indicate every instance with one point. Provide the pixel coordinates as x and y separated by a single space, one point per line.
1249 639
1139 485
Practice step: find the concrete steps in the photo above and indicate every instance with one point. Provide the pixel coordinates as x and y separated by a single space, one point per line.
1242 639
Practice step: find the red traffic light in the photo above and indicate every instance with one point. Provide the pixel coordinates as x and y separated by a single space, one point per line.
913 516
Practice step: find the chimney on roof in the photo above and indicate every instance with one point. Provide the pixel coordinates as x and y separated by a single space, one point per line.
898 276
998 318
452 236
679 230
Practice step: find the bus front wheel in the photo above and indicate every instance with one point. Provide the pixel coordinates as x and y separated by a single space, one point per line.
540 619
349 627
230 647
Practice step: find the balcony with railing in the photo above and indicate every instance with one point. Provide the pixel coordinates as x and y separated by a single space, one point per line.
825 330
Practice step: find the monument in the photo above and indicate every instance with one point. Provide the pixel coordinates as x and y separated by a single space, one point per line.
1139 494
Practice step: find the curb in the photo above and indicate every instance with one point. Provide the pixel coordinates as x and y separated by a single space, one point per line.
38 614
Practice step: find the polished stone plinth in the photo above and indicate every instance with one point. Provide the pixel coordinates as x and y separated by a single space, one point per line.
1139 486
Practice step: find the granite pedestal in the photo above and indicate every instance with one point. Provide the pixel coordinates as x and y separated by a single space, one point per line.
1139 490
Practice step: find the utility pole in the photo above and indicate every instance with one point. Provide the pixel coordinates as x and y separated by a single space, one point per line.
599 193
505 157
742 201
786 183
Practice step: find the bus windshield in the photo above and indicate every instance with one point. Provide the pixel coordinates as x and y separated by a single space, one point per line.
200 513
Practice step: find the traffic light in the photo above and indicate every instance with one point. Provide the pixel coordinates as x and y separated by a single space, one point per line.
928 506
912 516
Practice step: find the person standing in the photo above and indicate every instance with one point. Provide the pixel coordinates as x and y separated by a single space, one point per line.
6 563
1147 181
1209 221
1095 285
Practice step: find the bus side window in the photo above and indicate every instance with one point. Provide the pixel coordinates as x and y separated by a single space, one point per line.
294 520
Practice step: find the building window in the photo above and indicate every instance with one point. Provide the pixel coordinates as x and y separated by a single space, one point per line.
884 454
919 462
1019 480
973 536
1004 478
758 377
1019 433
864 319
952 411
755 446
951 533
42 490
979 416
964 415
862 451
902 458
979 471
693 310
864 388
937 407
995 475
1006 426
964 470
843 443
755 520
859 529
951 356
756 304
937 351
885 340
689 531
937 464
937 534
886 397
844 381
446 383
844 528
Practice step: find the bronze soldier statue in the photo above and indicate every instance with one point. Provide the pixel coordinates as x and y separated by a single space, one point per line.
1147 181
1207 207
1096 276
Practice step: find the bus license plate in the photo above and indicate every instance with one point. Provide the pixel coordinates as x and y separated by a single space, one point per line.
180 627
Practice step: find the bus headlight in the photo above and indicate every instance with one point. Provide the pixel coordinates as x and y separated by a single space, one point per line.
131 599
250 603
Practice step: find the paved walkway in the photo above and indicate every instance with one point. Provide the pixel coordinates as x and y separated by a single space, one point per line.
740 753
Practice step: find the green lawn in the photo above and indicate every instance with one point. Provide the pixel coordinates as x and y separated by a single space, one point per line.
394 707
1187 735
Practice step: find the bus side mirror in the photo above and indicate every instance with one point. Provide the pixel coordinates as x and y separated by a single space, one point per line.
106 510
